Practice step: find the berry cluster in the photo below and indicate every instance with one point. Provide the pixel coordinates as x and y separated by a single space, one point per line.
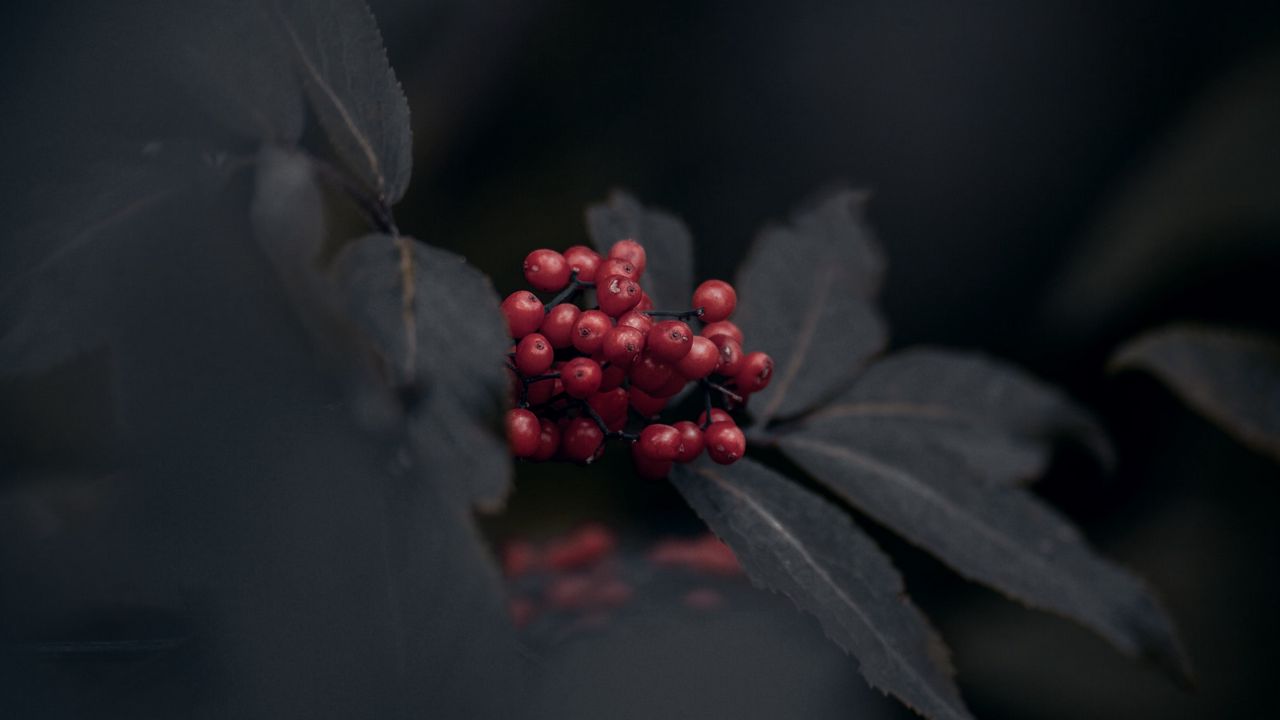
583 376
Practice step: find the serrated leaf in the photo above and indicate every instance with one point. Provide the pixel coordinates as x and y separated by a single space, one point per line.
668 277
806 297
944 406
996 534
339 54
794 542
434 321
1230 377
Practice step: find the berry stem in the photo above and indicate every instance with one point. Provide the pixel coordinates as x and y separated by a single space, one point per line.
706 403
570 292
725 391
600 423
677 314
529 380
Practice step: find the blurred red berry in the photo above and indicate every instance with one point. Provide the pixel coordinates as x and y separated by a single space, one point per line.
522 432
723 327
523 312
691 441
631 251
534 355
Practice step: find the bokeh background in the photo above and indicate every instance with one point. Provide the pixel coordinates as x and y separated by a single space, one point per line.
1048 179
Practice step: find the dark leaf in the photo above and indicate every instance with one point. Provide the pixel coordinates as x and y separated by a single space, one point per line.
668 278
793 542
435 324
1232 378
805 296
996 534
339 54
944 406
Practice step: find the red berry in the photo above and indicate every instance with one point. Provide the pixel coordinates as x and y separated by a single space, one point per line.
731 358
637 320
644 403
691 441
610 405
649 374
622 345
581 377
617 266
522 432
589 332
669 340
519 557
646 302
583 549
717 300
717 415
548 441
534 355
672 386
723 327
546 270
582 440
613 377
584 260
725 442
659 442
701 361
756 371
524 313
647 467
617 294
557 326
632 252
541 391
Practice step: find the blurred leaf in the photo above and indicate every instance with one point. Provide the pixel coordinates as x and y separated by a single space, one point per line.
339 54
435 325
668 276
1232 378
995 534
805 297
944 406
793 542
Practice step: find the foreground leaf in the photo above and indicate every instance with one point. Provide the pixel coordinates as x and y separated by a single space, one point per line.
339 54
793 542
435 325
1232 378
806 297
995 534
668 277
963 407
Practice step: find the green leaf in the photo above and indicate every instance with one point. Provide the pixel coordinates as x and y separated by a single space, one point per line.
1230 377
794 542
806 297
668 277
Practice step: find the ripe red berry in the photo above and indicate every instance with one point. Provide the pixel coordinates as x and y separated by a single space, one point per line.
589 332
731 358
582 440
644 403
610 405
701 361
585 548
646 302
524 313
637 320
725 442
691 441
622 345
756 371
614 375
723 327
672 386
546 270
649 374
522 428
581 377
647 467
548 441
631 251
542 391
717 300
616 266
584 260
534 355
669 340
617 294
557 326
659 442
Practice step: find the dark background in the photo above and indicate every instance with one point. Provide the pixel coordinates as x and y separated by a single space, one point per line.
1048 180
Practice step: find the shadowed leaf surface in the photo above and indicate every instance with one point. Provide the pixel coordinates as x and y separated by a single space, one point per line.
338 52
806 297
794 542
1232 378
435 325
995 534
668 276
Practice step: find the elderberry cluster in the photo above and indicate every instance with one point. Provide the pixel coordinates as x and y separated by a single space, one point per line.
583 376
